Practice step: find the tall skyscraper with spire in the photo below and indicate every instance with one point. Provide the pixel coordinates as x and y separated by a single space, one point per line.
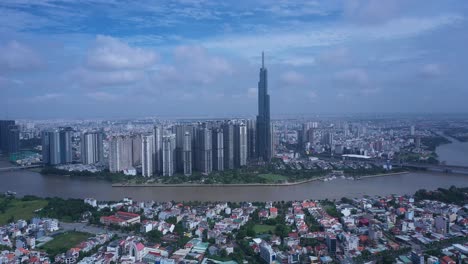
263 140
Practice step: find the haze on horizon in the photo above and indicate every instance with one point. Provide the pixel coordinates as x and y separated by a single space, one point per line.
63 59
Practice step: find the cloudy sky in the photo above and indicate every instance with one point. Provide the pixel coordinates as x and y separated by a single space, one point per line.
110 58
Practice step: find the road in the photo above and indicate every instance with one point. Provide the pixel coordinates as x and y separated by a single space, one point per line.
84 227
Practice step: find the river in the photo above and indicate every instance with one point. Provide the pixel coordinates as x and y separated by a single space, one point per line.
28 182
455 153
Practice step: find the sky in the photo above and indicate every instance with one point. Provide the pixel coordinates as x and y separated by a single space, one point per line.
186 58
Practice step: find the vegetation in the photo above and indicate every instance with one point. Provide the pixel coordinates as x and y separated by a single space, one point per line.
273 178
330 208
12 209
262 229
452 195
64 241
433 142
103 175
65 210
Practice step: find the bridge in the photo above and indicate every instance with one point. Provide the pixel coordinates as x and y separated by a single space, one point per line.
435 167
19 167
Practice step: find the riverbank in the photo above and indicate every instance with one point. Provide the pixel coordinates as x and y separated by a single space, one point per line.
382 175
247 184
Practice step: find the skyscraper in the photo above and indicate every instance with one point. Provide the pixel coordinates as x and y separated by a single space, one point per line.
228 145
240 145
120 154
13 139
51 147
157 150
147 160
4 125
92 150
136 150
263 140
66 150
251 134
205 164
187 154
168 155
218 149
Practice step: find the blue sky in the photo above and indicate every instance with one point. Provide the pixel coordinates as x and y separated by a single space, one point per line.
181 58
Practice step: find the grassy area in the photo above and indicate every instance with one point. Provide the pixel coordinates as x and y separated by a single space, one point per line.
65 241
270 177
18 209
261 229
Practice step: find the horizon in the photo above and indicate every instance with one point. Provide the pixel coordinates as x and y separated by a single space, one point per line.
104 60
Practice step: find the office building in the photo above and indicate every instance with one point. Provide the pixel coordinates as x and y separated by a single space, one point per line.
228 145
147 159
267 253
327 138
263 140
240 145
120 154
92 150
168 155
13 144
218 149
66 150
187 154
251 134
4 127
417 257
331 244
204 147
412 131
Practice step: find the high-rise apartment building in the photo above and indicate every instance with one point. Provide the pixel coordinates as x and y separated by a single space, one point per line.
204 154
228 145
120 154
251 135
218 149
263 140
51 147
92 149
168 155
136 150
66 150
157 149
147 159
240 145
187 154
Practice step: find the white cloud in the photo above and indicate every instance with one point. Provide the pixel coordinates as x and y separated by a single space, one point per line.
107 78
45 97
289 37
293 78
109 53
193 65
103 96
353 77
252 93
431 70
15 56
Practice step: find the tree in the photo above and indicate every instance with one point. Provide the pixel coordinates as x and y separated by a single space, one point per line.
154 236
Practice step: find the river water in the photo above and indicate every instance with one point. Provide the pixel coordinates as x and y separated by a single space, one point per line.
28 182
455 153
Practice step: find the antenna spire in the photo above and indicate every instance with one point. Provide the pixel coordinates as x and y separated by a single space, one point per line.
263 60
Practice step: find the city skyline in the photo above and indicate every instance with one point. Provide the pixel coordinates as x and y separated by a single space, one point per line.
324 57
